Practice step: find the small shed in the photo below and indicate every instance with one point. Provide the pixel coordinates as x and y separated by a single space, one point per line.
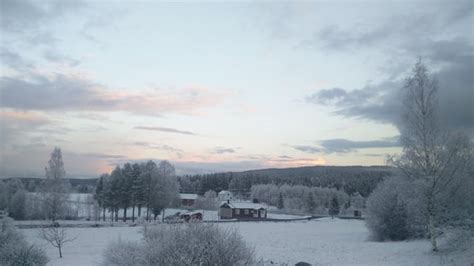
242 210
188 199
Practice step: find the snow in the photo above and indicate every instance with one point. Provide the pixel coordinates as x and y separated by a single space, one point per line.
319 242
246 205
188 196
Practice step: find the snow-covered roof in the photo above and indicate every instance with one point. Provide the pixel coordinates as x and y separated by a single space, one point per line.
245 205
192 213
224 192
188 196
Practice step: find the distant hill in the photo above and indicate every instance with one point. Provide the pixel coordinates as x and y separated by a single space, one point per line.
361 179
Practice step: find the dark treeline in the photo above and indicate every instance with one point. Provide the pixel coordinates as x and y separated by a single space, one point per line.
148 185
350 179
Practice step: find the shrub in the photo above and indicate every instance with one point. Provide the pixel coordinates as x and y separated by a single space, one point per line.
182 244
394 211
15 250
123 253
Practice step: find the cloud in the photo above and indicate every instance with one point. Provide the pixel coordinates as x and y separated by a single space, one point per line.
452 63
56 57
26 15
166 129
15 126
149 145
399 29
61 92
308 149
344 145
13 60
222 150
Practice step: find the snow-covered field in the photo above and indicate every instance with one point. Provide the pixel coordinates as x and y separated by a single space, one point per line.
319 242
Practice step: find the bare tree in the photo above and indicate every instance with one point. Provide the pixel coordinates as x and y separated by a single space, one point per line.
431 155
56 236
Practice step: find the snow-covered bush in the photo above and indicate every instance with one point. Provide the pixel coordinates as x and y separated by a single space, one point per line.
394 211
182 244
14 250
124 253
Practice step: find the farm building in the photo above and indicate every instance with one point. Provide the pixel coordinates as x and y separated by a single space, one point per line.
225 195
242 210
187 199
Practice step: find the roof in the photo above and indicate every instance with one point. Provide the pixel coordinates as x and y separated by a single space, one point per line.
192 213
224 192
245 205
188 196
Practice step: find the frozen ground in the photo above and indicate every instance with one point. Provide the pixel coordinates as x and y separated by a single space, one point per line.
319 242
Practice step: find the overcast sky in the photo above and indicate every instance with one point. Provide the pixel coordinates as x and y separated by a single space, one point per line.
221 87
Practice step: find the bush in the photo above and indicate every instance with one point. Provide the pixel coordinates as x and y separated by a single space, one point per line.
394 211
123 253
182 244
14 250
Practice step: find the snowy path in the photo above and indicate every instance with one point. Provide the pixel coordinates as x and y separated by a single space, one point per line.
319 242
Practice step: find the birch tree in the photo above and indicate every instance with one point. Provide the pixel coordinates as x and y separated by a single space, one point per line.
54 191
436 158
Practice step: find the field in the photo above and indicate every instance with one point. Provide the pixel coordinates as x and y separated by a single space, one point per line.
319 242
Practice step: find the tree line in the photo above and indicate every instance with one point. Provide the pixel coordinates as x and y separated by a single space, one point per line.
350 179
137 186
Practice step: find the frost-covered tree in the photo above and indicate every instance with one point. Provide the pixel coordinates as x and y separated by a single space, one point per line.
165 188
208 202
17 208
310 203
54 192
15 250
431 155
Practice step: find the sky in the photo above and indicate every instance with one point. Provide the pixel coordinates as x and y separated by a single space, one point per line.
222 86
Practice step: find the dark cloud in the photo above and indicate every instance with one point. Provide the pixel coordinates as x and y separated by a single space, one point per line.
344 145
166 129
453 64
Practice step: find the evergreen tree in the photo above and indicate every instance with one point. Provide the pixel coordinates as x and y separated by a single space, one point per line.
280 204
334 207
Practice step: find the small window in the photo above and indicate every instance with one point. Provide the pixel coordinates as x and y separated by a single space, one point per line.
246 211
237 211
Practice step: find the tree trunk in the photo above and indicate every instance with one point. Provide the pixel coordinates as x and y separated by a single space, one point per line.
432 231
163 216
125 214
116 214
133 214
139 210
103 214
60 252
